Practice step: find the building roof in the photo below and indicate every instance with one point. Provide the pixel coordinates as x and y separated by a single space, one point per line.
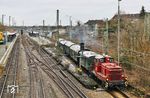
91 22
129 16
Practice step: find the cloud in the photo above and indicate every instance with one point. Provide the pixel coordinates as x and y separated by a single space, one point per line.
34 11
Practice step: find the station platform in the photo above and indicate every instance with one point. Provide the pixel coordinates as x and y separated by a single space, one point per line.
5 53
3 49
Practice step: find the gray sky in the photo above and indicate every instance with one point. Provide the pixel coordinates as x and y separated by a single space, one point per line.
34 11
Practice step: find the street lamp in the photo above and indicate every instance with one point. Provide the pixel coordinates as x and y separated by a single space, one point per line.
119 31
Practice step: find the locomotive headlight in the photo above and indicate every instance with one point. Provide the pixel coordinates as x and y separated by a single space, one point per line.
107 79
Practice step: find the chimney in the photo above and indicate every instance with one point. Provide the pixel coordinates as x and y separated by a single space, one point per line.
81 46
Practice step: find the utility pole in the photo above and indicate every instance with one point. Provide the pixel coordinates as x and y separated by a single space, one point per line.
57 19
44 27
119 31
147 25
40 39
23 23
60 23
13 21
106 38
81 41
9 21
70 20
70 28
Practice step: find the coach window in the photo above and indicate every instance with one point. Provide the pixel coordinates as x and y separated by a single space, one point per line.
95 61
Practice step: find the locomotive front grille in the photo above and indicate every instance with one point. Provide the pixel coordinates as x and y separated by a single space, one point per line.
114 77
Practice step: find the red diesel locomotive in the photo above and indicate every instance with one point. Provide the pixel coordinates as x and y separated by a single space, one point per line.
109 72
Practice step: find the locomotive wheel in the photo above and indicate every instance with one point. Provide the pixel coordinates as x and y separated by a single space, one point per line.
105 85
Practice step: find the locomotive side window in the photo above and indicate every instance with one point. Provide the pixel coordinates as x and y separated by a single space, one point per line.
111 60
102 60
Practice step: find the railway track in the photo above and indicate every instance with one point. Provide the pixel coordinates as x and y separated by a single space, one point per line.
36 80
70 85
52 69
117 93
10 73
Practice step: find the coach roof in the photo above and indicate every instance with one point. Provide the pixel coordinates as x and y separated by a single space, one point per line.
75 48
69 43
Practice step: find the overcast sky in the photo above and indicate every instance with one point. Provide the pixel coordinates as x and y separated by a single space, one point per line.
34 11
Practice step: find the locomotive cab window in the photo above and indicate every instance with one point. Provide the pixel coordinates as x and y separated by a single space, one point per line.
111 60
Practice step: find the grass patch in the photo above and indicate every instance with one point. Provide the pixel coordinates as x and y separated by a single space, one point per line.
125 60
1 70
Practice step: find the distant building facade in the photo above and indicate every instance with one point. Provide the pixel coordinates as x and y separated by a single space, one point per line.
94 26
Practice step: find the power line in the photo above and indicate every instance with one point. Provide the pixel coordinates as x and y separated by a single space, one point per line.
136 65
134 51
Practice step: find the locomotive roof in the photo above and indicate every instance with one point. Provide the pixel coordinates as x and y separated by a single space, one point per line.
91 53
69 43
88 53
112 66
98 56
75 47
